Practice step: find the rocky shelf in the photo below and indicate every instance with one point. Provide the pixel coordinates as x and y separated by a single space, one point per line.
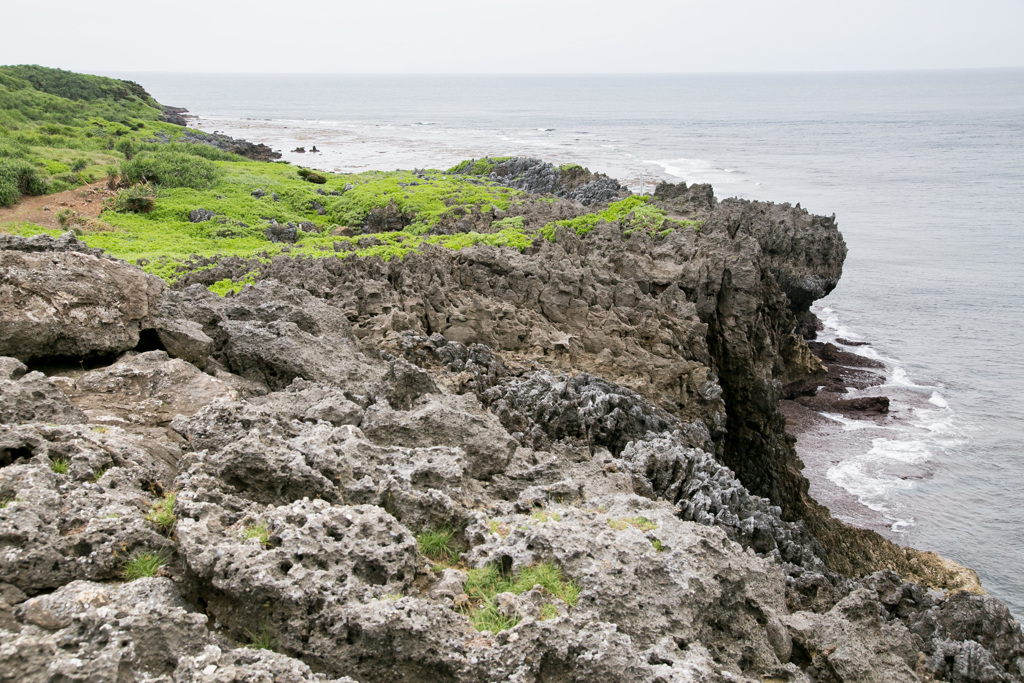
566 463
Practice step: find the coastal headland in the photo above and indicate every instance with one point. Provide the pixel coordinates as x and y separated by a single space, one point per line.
502 421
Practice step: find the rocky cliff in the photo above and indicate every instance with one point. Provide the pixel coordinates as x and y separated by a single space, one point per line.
591 427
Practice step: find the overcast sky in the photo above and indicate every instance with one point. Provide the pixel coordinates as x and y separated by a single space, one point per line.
514 36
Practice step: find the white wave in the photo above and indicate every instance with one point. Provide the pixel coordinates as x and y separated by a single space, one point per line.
545 130
850 425
911 451
872 491
936 399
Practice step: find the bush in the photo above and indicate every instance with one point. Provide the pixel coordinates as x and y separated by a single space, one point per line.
171 169
311 176
17 178
138 199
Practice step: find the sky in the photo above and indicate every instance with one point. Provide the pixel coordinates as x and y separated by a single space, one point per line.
518 36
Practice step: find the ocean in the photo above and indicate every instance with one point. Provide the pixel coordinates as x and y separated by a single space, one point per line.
924 171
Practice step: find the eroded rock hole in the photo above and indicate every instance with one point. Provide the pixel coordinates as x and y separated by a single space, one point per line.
8 456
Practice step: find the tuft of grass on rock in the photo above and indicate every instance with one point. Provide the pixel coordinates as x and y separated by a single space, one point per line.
60 464
143 564
5 501
162 514
484 584
259 531
438 546
261 638
641 523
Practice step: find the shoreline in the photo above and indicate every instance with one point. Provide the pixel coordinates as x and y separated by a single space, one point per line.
817 435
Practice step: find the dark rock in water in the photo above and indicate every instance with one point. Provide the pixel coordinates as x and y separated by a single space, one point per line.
200 215
300 150
174 115
869 404
314 149
288 232
249 150
847 342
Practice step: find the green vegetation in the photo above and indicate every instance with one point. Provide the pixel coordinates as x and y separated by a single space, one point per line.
162 514
99 474
259 531
438 546
543 516
59 464
634 213
138 199
260 639
641 523
59 130
483 585
477 166
143 564
5 501
658 545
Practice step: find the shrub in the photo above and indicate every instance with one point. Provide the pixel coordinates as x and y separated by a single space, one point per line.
19 177
143 565
171 169
79 165
137 199
311 176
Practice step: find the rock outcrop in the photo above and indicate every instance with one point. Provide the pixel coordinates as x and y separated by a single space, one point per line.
604 407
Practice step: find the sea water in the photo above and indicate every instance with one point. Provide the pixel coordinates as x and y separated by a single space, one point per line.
924 170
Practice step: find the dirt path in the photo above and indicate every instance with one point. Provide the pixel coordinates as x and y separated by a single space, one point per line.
86 200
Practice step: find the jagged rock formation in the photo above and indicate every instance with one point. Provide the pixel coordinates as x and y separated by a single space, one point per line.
606 404
541 177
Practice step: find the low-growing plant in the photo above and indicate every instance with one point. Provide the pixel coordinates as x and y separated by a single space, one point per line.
260 639
438 545
60 464
98 474
162 513
5 501
143 564
259 531
658 545
641 523
544 516
483 584
17 178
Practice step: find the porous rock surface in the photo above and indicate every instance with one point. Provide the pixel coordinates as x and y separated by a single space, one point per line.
608 405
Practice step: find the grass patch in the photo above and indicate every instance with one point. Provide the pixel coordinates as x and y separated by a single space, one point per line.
438 546
5 501
259 531
500 528
60 464
98 474
162 514
143 564
542 516
634 214
483 585
658 545
641 523
261 638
